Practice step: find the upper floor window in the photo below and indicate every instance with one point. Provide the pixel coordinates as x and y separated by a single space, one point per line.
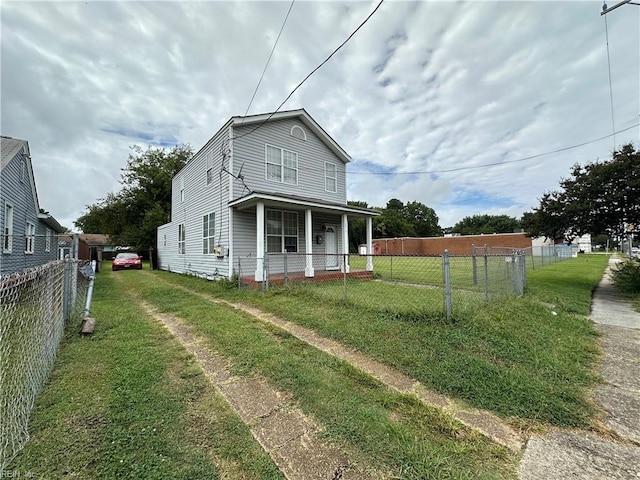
282 231
298 132
181 239
209 168
23 170
208 233
29 237
281 165
330 177
7 229
47 241
181 189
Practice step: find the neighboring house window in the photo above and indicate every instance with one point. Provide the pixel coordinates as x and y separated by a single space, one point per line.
208 233
330 177
29 237
282 231
23 170
164 240
47 241
7 240
181 238
181 189
298 132
281 165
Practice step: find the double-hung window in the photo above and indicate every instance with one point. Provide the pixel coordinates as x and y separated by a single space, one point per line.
7 229
330 177
208 233
281 165
29 237
282 231
181 239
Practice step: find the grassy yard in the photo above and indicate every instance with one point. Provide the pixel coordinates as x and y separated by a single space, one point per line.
513 356
129 403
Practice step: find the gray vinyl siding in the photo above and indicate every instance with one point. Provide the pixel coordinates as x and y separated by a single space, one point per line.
200 199
245 248
249 153
19 194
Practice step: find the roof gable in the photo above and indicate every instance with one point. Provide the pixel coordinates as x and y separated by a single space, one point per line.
302 115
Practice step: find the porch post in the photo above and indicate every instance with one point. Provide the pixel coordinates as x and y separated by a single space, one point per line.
308 243
369 267
345 243
259 242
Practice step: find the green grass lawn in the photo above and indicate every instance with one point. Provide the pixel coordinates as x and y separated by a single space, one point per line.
128 403
513 356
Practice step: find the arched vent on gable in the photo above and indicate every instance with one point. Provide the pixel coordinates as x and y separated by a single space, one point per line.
298 132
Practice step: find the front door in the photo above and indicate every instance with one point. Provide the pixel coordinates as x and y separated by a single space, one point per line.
331 247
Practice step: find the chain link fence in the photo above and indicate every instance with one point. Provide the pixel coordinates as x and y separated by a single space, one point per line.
438 285
34 306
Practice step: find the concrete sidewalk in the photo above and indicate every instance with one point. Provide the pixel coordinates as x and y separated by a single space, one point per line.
582 455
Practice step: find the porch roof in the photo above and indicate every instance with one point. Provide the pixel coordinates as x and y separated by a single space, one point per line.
293 201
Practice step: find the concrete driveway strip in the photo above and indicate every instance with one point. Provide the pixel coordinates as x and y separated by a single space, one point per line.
581 455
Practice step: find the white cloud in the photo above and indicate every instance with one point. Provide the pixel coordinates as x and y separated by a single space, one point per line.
424 86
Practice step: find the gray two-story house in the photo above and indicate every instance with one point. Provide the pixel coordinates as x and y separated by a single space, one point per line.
29 234
263 186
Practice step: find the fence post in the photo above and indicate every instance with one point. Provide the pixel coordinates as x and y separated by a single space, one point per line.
391 268
514 272
447 283
66 289
265 274
286 269
474 264
486 273
344 277
523 268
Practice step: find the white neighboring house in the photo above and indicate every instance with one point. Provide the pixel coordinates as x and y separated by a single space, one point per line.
263 184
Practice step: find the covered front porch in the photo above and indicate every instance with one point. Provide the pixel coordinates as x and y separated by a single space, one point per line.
294 235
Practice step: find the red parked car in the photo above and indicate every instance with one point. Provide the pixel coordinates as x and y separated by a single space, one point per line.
126 260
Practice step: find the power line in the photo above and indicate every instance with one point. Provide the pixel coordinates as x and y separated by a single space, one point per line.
269 59
613 123
311 73
457 169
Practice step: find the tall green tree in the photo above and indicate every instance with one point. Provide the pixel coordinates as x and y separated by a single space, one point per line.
599 198
414 219
484 224
132 215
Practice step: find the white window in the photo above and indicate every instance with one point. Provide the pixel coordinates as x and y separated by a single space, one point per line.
181 239
208 233
47 241
298 132
23 170
29 237
7 240
330 177
164 240
282 231
181 189
281 165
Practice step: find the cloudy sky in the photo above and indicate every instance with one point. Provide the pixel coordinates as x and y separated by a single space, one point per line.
422 88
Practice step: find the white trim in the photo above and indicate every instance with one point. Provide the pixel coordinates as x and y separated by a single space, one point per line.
345 243
327 177
208 237
298 127
260 241
369 223
7 228
282 165
229 209
301 203
29 238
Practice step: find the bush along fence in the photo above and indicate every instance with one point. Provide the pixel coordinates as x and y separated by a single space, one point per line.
34 306
436 285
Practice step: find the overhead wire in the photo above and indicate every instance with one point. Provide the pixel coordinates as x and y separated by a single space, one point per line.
471 167
312 72
269 59
613 123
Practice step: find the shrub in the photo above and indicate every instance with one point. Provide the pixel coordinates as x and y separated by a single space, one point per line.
626 276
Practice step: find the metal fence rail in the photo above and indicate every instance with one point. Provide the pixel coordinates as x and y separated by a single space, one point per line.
34 306
438 285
